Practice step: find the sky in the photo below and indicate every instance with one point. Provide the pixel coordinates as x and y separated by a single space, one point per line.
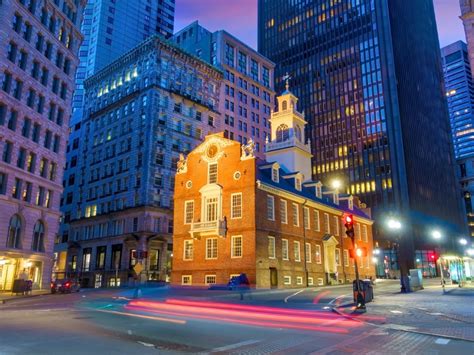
240 18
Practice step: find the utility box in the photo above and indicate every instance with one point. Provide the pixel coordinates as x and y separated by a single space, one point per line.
416 279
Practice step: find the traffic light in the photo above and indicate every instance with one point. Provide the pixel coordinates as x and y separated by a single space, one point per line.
349 224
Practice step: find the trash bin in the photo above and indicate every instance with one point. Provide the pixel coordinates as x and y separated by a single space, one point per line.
19 286
361 289
369 291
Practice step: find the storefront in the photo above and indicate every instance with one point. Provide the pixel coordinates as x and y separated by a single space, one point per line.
19 268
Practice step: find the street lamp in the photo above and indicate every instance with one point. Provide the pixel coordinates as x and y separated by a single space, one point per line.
336 184
396 226
436 234
463 241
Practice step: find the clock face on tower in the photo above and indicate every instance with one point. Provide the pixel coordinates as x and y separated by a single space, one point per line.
212 151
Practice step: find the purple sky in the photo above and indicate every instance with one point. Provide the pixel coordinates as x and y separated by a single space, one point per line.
240 18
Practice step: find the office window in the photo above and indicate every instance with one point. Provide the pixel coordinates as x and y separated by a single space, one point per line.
318 254
284 249
16 192
211 248
236 205
306 218
327 229
26 195
3 183
271 247
20 163
296 246
188 249
236 251
296 215
188 212
270 208
283 212
212 173
7 152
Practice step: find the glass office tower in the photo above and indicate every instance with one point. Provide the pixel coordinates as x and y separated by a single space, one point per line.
460 96
369 78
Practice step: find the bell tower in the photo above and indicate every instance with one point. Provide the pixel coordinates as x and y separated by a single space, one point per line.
288 145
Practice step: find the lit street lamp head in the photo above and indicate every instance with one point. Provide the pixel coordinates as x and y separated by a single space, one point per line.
336 184
436 234
463 241
394 224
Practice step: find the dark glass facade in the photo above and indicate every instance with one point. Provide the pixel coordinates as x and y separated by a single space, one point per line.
369 78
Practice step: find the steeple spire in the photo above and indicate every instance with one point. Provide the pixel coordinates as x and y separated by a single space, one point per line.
287 78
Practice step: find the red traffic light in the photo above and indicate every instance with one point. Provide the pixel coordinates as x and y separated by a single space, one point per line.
348 219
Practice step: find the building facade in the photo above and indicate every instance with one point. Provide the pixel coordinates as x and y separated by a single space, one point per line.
235 213
110 29
467 17
460 96
247 94
143 110
39 41
369 77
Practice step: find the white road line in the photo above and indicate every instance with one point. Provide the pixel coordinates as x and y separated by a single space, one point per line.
338 297
235 346
146 344
293 295
442 341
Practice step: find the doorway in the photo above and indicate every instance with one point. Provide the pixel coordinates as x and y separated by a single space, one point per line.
273 277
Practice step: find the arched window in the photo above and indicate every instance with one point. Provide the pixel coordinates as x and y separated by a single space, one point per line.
282 133
298 132
38 237
14 233
284 105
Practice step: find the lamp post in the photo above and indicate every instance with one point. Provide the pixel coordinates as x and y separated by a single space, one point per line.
395 225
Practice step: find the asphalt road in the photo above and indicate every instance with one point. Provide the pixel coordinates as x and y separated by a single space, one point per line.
184 320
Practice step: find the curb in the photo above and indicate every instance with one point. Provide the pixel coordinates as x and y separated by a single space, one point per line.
399 327
13 299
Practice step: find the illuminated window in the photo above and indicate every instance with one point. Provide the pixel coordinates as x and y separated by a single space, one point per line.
318 254
188 212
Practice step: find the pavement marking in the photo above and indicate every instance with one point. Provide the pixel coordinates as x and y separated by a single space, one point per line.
442 341
177 321
436 314
338 297
146 344
294 294
129 332
396 312
235 346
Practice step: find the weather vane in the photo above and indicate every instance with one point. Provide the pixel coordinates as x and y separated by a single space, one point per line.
287 78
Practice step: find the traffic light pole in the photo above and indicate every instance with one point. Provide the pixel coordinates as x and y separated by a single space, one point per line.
349 224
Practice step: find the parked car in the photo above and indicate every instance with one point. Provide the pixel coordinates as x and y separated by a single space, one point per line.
65 286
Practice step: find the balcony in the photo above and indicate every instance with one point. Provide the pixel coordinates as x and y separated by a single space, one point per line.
213 228
291 142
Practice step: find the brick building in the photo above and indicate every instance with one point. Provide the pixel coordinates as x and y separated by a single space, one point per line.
235 213
142 110
39 40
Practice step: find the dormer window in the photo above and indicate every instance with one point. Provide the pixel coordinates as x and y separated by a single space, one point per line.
275 174
351 203
319 190
298 183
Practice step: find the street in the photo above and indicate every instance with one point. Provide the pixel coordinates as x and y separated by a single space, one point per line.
189 320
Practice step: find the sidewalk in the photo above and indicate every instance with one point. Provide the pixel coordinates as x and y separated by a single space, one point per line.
429 311
7 296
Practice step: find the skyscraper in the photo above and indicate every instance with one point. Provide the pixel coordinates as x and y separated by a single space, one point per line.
460 95
38 58
247 91
142 110
467 17
369 77
110 28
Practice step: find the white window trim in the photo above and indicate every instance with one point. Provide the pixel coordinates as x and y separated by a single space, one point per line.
287 249
184 249
190 280
338 259
345 257
208 172
297 219
217 249
297 243
306 213
308 252
285 203
299 280
319 257
186 203
310 281
232 205
287 280
241 247
328 220
271 198
365 236
336 224
317 226
275 174
211 275
274 247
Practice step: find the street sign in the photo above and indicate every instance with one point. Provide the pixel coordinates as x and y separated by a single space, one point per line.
138 268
